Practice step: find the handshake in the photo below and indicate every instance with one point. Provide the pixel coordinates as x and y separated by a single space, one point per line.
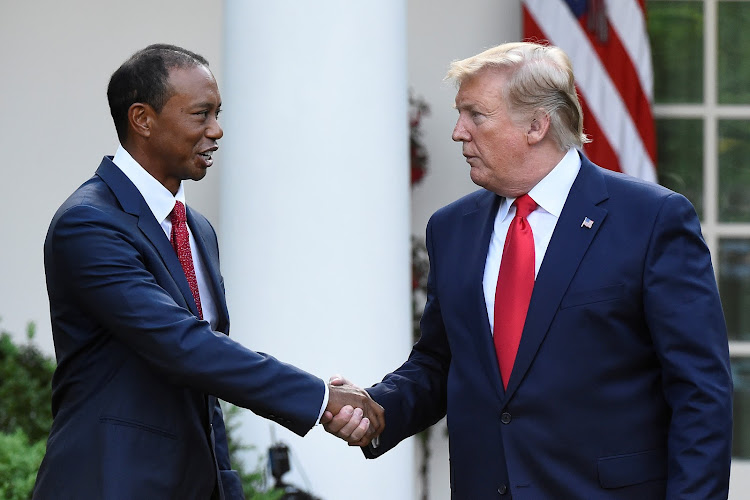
351 414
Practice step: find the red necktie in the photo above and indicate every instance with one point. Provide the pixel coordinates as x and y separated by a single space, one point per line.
181 243
515 283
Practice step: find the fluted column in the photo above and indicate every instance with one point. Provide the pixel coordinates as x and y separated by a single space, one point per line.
314 211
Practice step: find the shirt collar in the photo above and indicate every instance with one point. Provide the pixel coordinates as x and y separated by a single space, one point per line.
158 198
551 192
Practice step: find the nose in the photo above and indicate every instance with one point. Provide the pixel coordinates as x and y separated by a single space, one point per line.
460 134
214 131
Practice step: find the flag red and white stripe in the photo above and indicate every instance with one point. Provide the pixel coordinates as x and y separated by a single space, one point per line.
608 45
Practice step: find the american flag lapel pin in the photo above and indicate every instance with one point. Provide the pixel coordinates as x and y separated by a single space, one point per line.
587 223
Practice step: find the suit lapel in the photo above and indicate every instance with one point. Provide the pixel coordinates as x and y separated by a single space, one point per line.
211 262
481 221
564 255
133 203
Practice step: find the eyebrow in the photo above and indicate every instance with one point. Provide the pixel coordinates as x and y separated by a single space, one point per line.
204 104
472 106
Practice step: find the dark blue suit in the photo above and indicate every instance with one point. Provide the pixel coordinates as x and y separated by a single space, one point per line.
135 391
621 388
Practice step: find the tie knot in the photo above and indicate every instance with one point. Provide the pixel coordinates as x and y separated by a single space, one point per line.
524 205
178 213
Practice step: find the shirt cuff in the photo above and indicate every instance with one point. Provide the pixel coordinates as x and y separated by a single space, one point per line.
324 405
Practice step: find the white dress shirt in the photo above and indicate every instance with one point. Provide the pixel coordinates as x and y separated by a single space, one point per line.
161 202
550 195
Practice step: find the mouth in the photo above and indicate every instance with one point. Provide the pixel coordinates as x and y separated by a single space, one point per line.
208 156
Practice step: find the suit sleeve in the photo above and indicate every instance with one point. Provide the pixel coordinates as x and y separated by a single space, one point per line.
685 318
103 262
414 396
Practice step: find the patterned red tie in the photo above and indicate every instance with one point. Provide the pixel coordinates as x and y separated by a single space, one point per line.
515 283
181 243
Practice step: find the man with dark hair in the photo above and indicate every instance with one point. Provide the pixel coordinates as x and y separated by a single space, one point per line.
139 316
145 78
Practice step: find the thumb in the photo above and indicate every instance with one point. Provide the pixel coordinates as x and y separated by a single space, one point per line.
338 380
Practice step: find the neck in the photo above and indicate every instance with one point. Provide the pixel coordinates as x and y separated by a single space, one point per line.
146 162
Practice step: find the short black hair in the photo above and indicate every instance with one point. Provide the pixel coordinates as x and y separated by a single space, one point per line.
144 78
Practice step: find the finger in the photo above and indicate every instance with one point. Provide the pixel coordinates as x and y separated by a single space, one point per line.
376 414
359 437
340 420
360 431
365 441
351 426
327 417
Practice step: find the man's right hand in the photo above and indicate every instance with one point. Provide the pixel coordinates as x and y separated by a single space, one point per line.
351 414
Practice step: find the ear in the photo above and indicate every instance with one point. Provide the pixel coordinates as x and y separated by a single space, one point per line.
538 127
141 119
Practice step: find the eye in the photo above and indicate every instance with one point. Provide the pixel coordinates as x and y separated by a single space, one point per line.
477 117
218 111
202 114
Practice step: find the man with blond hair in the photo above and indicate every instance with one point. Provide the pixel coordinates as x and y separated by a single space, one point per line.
573 332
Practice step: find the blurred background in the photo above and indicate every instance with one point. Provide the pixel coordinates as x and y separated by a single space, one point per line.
337 150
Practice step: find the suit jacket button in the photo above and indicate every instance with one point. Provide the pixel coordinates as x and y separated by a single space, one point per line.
502 489
505 417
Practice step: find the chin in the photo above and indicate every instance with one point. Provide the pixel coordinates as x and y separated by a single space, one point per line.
478 179
484 182
199 174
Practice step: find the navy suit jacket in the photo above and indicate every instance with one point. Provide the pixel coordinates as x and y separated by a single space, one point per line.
621 388
135 390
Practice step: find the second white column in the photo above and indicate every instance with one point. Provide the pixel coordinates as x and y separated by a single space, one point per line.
314 212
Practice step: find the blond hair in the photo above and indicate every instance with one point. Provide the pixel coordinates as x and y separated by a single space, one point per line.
540 76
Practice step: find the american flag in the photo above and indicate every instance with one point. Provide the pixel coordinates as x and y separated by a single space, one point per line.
608 45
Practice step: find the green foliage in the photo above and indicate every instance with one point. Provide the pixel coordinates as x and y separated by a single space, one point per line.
25 414
253 482
733 50
19 462
25 387
680 158
676 33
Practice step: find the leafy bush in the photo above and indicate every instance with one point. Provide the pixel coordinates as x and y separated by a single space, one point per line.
19 461
25 414
25 387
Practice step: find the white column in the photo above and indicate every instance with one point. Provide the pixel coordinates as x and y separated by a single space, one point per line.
314 212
